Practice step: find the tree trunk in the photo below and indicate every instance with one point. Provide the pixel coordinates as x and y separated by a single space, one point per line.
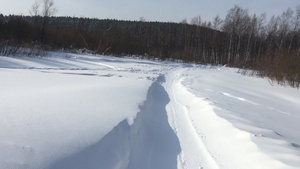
229 50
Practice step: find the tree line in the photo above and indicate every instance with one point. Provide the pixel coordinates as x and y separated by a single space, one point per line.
269 47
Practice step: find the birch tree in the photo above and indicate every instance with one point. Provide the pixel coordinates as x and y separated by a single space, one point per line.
48 10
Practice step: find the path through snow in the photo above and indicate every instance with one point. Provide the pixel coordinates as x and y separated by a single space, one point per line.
79 111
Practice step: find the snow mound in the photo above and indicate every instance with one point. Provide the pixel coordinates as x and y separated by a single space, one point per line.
149 142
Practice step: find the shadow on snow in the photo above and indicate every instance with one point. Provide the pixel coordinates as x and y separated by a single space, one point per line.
149 143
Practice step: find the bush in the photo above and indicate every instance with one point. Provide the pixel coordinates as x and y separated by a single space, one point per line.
281 66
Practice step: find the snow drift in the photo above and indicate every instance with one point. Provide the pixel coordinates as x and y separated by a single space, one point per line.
146 142
81 111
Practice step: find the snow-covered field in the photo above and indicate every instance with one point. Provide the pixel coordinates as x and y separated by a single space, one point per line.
72 111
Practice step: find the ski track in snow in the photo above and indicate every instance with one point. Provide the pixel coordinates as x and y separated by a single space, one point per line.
194 154
214 147
173 125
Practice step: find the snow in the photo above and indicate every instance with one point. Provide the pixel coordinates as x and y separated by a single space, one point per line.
86 111
222 140
270 114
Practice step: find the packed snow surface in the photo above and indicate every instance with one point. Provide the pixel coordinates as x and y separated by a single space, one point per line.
71 111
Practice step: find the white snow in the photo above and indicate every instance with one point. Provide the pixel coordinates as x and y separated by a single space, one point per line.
83 111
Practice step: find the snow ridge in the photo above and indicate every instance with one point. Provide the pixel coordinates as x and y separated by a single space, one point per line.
80 111
149 142
194 154
218 143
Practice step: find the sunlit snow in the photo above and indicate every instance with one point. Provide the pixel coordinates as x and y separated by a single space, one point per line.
97 112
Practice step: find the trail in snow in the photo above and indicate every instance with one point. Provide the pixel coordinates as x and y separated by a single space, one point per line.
269 114
194 154
146 142
222 142
78 111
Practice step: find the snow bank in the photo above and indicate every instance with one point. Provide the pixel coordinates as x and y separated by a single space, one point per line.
47 114
83 111
257 120
223 145
146 142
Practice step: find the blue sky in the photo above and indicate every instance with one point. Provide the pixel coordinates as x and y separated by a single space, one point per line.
151 10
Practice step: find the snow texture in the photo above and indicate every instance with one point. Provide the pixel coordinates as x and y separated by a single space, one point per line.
83 111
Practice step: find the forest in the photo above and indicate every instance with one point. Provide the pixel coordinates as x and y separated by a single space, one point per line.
259 46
